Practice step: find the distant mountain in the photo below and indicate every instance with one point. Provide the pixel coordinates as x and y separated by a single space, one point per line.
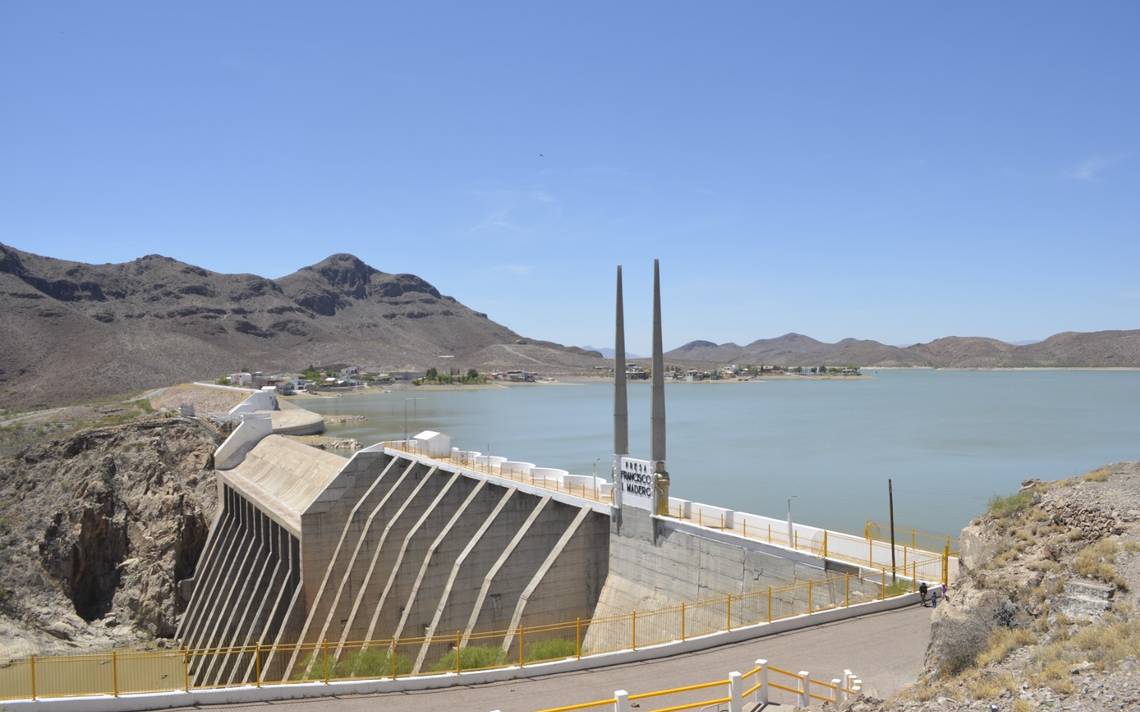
1101 349
72 331
607 352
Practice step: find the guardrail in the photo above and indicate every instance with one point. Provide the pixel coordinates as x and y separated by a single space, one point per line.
800 685
128 672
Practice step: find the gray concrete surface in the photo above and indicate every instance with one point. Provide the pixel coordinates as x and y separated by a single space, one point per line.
884 649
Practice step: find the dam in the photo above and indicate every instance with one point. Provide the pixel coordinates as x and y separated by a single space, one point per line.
416 560
414 554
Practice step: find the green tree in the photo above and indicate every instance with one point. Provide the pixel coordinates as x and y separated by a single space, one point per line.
432 374
472 375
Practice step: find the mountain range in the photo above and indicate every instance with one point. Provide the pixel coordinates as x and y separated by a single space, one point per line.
1099 349
71 331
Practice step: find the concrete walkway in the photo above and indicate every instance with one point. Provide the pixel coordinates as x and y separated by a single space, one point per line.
885 650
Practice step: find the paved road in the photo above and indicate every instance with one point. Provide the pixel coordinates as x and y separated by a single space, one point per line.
884 649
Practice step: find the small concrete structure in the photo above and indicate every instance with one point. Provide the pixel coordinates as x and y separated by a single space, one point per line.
433 444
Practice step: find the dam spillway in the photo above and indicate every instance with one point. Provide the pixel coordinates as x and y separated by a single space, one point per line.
311 548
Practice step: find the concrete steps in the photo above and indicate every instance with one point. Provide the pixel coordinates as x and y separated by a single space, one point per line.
1087 600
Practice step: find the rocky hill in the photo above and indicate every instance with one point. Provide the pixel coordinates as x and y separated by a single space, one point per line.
97 528
71 331
1099 349
1044 613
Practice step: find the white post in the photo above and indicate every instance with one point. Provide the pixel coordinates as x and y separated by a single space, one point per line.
847 675
835 694
805 682
735 701
762 679
856 686
621 701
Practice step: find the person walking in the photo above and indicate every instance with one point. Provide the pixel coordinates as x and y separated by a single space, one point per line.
922 588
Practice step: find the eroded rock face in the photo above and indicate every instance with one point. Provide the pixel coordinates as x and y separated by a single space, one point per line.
101 526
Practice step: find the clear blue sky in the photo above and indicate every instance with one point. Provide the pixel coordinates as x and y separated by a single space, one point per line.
891 171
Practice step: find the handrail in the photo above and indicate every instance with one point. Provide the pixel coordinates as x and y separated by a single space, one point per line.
678 690
693 705
778 686
582 705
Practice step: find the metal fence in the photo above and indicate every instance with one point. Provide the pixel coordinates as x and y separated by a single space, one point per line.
127 672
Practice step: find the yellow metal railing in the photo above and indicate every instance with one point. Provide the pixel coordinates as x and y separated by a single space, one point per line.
128 672
916 538
800 685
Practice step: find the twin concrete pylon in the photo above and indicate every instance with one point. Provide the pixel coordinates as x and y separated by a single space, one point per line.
657 407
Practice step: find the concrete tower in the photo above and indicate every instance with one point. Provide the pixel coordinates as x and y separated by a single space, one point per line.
621 407
657 411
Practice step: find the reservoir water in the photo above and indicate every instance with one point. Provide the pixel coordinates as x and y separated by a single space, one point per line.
949 439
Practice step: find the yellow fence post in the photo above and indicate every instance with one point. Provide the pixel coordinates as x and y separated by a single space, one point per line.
578 638
522 634
769 604
257 664
825 543
809 596
913 576
326 647
847 590
633 630
682 621
728 612
870 552
745 528
186 670
114 673
458 657
32 669
796 539
883 587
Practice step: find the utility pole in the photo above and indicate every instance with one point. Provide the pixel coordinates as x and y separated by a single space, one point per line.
891 505
413 400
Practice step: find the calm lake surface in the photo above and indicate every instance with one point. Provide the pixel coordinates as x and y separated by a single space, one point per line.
950 439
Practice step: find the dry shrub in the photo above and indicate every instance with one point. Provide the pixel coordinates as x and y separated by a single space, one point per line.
1098 561
988 685
1022 706
1002 642
1104 644
1098 475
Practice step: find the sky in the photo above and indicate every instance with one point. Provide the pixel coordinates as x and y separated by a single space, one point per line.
895 171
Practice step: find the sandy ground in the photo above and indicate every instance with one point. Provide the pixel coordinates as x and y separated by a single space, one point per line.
204 398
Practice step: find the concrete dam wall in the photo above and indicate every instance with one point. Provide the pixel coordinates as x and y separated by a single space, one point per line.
312 548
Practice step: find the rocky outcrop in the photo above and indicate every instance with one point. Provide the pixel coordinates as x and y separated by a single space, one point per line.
98 528
1043 614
